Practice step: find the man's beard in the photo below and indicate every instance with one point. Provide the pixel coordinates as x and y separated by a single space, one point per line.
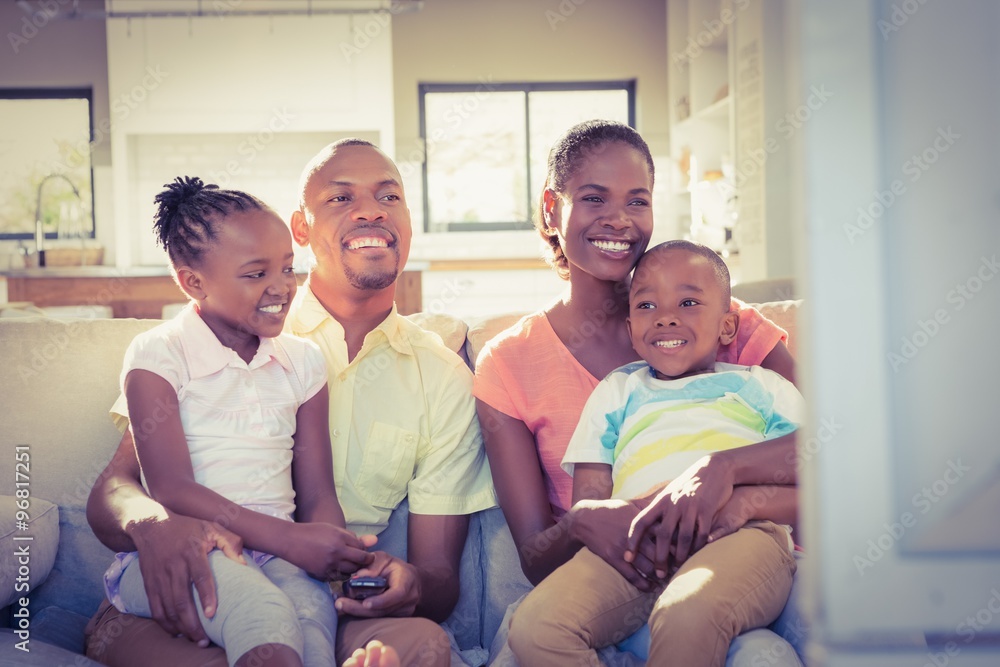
374 279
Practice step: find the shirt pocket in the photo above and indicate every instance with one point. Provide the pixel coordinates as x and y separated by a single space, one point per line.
387 465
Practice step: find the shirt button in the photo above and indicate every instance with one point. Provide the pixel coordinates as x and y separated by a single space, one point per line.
336 432
342 377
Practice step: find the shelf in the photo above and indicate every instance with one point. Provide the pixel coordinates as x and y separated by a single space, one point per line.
703 31
716 111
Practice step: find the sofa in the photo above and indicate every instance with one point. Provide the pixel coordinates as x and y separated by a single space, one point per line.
58 379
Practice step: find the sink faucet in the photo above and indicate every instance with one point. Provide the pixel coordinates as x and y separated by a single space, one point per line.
39 232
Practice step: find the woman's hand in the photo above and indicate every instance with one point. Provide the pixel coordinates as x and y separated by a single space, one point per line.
735 513
770 502
602 525
326 551
402 592
173 555
678 521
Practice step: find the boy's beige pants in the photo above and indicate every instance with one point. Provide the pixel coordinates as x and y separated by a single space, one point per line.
737 583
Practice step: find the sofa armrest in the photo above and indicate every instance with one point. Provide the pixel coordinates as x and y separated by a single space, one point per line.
452 330
764 291
784 314
28 549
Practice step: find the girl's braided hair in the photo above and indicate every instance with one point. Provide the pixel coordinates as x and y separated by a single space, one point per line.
188 212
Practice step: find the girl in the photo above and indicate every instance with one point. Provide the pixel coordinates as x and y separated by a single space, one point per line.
533 380
229 419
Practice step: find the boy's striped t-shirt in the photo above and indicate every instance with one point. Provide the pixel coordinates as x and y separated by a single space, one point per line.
651 430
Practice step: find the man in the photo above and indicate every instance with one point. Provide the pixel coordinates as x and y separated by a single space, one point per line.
402 425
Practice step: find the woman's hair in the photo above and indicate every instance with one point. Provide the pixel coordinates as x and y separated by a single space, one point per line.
579 142
188 212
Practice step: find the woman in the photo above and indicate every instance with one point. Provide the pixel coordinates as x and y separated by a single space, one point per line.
533 379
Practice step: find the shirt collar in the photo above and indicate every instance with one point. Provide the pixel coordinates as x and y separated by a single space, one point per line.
206 355
307 314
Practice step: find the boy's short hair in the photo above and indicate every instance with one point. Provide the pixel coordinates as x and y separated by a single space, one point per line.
721 270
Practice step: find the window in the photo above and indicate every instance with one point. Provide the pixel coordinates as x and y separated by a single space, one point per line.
45 150
487 145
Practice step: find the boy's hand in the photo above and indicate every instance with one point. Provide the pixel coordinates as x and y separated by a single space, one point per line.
402 592
173 555
679 519
326 551
602 525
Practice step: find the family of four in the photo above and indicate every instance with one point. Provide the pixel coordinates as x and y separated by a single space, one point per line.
270 431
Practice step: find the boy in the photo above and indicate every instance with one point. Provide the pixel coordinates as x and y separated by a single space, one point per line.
644 425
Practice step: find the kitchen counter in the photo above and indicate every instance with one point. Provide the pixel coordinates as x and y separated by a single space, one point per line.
137 292
141 292
88 272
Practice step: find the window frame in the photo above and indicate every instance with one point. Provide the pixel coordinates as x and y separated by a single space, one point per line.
60 93
423 89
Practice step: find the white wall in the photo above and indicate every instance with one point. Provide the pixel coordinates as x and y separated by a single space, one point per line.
242 99
525 40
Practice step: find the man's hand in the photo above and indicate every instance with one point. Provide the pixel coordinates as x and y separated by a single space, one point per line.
326 551
602 525
401 596
678 521
173 555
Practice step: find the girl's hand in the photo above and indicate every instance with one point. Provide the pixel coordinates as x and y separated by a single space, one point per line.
678 521
401 596
173 555
326 551
602 525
